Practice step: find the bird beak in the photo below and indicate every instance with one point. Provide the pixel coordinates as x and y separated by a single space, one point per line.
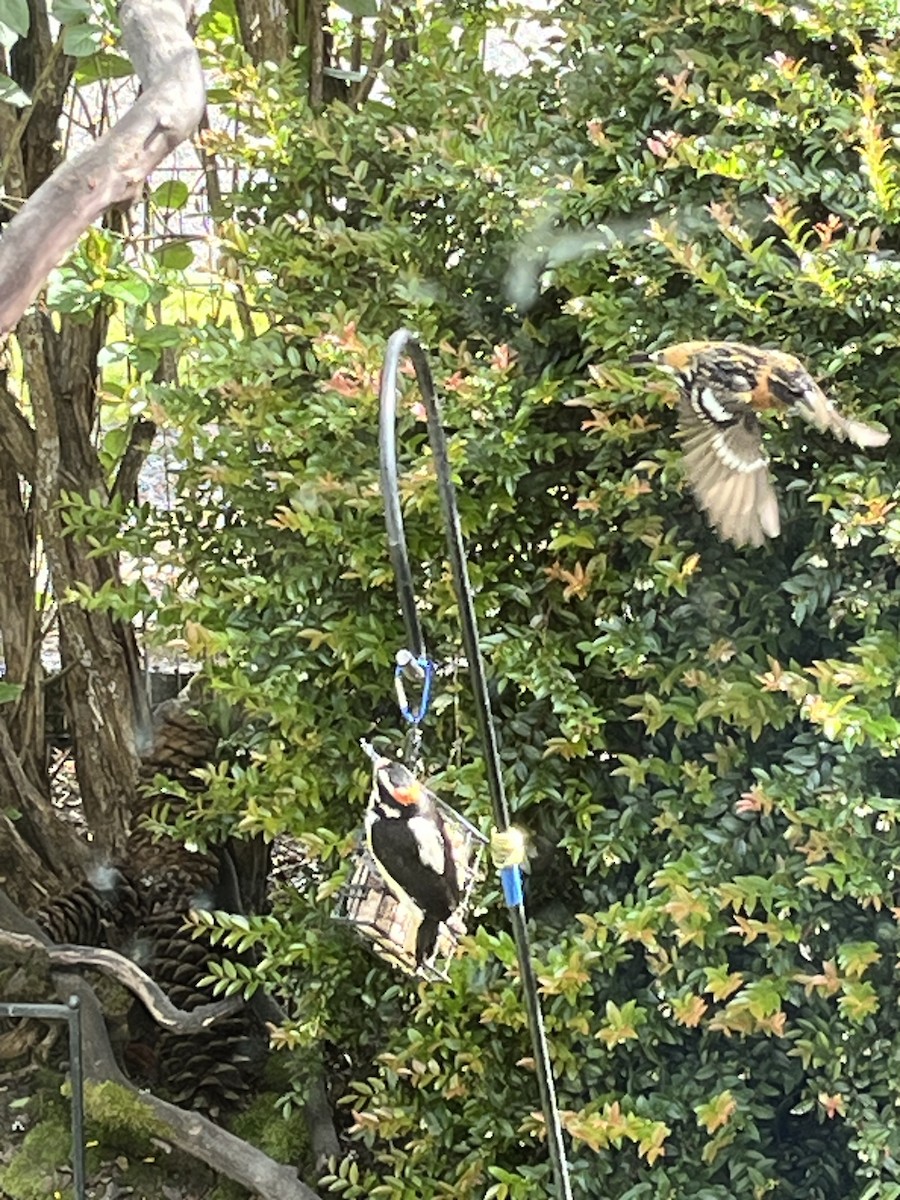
668 359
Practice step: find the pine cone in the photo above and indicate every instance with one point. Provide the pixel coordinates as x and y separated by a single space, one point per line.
182 741
209 1071
170 877
100 912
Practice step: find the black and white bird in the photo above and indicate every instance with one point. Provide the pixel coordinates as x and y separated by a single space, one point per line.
722 387
408 839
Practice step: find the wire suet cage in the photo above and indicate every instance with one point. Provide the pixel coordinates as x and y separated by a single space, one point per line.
389 924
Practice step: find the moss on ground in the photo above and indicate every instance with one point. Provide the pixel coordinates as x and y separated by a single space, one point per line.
120 1133
282 1138
34 1173
118 1118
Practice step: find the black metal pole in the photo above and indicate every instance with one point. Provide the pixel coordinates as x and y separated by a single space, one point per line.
76 1070
400 343
71 1014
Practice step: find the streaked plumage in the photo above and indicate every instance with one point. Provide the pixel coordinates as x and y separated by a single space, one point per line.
722 386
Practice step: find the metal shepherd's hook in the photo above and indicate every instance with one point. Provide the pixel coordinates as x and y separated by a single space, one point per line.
400 343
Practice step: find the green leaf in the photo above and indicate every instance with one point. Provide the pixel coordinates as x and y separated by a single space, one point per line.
82 40
103 65
15 16
161 335
11 93
128 291
9 691
360 8
114 443
70 11
176 254
220 22
172 194
856 957
219 95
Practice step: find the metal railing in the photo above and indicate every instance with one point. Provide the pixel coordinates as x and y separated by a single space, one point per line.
71 1014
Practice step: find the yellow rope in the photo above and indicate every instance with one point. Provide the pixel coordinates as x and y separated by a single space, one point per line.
509 847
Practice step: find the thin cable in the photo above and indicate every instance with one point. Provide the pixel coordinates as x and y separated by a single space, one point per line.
404 342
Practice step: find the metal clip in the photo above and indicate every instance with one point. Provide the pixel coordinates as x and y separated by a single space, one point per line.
422 671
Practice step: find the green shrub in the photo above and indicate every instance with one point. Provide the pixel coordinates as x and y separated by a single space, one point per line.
698 739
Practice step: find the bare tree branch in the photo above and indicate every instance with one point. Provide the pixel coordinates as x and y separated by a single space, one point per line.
315 33
376 59
140 442
265 29
130 975
189 1131
41 67
11 150
113 170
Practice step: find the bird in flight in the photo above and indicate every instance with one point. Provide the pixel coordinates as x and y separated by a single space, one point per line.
722 386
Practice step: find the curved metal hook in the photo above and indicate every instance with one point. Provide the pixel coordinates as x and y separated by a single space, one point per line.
390 484
404 342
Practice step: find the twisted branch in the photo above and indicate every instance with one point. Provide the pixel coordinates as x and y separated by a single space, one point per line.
113 170
130 975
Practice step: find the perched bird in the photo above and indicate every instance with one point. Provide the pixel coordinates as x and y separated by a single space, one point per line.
408 839
722 387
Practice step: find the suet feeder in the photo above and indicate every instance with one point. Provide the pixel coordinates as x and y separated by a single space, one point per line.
367 902
390 925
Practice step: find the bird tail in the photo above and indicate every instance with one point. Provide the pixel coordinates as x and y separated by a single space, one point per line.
863 434
426 939
819 411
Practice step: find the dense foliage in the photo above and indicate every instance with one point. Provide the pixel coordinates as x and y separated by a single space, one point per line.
697 738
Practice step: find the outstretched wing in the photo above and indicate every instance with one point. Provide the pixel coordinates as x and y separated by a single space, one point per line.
727 467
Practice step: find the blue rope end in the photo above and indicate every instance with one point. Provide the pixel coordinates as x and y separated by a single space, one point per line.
511 878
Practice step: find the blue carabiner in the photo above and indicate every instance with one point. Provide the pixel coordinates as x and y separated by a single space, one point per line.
424 665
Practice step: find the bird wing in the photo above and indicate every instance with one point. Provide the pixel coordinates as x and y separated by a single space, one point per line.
396 846
727 468
430 841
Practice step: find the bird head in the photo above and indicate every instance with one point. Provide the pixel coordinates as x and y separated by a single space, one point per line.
783 382
396 785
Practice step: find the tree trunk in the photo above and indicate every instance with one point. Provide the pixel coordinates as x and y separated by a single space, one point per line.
101 668
99 658
265 29
44 72
19 635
